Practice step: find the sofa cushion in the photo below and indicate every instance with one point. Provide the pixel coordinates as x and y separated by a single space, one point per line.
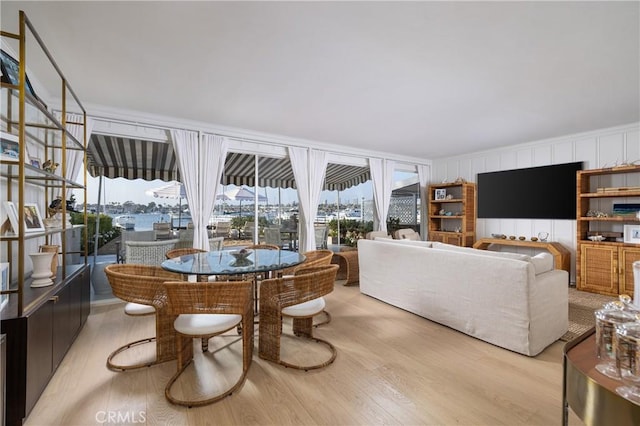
542 262
488 253
417 243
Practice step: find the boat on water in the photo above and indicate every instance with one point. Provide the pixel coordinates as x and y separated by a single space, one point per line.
124 222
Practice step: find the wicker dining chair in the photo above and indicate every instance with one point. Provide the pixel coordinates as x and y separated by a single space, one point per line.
178 252
263 246
205 310
139 285
299 297
313 258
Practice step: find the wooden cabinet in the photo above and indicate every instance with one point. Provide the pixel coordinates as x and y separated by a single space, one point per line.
606 267
452 213
40 323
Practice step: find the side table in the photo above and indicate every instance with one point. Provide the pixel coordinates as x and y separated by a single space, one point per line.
590 394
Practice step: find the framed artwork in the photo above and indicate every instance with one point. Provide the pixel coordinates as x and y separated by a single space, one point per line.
9 147
632 234
35 162
32 218
11 72
12 214
4 284
441 194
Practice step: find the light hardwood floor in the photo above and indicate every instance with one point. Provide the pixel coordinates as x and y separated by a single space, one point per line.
392 368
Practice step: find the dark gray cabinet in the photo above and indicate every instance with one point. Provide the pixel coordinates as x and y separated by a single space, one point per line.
38 341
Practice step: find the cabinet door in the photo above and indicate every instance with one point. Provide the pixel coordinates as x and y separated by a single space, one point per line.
599 269
39 346
436 236
61 324
455 240
628 255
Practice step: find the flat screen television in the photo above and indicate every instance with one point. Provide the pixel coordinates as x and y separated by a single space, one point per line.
546 192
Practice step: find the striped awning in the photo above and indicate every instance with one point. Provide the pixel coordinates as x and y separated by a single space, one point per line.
114 157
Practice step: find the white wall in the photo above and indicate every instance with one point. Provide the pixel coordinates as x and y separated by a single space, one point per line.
596 149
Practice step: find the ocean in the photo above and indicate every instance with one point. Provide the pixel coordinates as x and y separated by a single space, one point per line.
145 221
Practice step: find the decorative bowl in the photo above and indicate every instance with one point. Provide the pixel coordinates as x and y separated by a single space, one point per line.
498 236
241 254
596 238
522 238
512 237
534 239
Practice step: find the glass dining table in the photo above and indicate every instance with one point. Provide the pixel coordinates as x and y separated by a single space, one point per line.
221 262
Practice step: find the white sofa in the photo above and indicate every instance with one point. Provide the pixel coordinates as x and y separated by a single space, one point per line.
511 300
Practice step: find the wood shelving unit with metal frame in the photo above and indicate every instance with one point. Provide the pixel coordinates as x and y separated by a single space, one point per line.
606 267
452 219
40 323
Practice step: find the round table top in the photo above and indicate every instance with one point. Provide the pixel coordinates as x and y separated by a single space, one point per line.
223 262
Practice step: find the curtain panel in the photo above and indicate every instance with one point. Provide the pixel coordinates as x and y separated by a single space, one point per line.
382 177
423 181
309 167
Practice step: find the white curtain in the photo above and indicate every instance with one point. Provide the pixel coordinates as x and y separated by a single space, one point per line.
309 167
382 177
423 181
213 153
200 165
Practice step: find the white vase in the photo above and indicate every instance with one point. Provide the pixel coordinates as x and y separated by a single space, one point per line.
41 276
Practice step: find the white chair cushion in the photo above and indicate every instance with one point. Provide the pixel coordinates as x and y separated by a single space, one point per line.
204 324
138 309
305 309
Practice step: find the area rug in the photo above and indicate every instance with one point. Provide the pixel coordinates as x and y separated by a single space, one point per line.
582 305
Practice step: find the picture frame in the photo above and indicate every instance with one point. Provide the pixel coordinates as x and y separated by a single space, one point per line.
10 68
9 147
35 162
32 218
4 284
12 214
632 234
440 194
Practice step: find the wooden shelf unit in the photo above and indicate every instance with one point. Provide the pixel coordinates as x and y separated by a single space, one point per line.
458 227
40 323
605 267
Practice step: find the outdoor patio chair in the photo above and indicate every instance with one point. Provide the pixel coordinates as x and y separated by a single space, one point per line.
247 230
273 236
139 285
148 252
322 234
131 236
162 230
223 229
185 238
299 297
206 310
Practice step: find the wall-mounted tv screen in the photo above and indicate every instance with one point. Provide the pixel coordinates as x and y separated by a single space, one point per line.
546 192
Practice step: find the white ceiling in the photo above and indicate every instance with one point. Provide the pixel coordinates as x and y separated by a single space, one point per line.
422 79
